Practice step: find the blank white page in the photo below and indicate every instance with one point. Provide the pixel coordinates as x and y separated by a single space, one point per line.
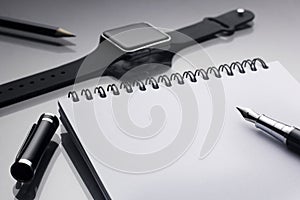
189 141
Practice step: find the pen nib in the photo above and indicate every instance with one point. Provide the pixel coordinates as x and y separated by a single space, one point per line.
248 114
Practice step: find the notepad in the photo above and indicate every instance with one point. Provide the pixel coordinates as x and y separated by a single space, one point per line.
179 135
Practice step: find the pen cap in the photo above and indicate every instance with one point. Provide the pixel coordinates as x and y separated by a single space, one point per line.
34 147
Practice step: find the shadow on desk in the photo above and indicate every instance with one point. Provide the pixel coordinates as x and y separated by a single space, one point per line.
32 189
81 168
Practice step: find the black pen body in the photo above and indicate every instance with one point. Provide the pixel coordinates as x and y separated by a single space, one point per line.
288 135
293 140
34 147
39 141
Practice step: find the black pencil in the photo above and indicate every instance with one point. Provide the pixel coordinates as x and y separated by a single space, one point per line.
36 28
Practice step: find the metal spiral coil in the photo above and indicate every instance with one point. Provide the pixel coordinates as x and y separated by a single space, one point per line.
192 76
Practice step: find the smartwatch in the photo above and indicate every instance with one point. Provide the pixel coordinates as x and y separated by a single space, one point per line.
123 49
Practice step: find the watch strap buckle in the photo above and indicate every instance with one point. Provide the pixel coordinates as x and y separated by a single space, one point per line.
224 25
232 21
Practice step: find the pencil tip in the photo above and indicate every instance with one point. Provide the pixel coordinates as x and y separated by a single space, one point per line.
64 33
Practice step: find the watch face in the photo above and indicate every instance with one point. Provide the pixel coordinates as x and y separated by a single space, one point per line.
135 37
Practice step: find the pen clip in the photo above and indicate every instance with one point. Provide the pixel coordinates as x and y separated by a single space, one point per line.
26 142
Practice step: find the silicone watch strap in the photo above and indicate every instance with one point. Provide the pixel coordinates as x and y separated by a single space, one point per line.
47 81
225 24
38 84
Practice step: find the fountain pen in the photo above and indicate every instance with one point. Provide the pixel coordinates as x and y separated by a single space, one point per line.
288 135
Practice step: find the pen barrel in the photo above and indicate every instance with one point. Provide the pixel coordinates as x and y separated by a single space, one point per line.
274 128
293 140
41 138
24 167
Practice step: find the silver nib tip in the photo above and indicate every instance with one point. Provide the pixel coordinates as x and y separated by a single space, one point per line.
243 111
248 114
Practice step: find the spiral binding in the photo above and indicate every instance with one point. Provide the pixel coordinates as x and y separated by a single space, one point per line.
192 76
